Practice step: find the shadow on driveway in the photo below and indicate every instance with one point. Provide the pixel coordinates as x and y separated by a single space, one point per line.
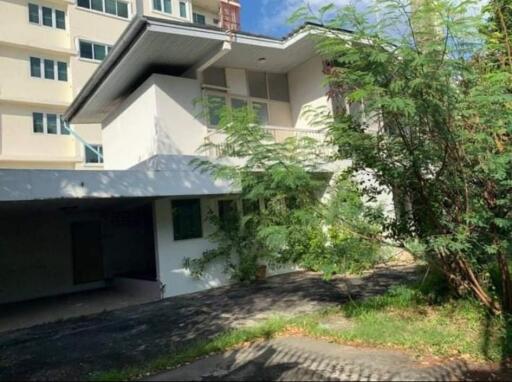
71 350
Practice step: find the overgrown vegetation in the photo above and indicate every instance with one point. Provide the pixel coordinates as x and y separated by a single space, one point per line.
404 318
283 218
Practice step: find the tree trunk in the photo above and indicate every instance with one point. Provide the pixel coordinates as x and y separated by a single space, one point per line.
506 284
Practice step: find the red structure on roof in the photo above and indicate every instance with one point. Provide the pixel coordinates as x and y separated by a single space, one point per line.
230 15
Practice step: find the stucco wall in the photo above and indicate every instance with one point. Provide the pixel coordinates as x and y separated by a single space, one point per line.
171 254
307 91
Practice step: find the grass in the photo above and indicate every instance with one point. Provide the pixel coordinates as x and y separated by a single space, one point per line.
401 319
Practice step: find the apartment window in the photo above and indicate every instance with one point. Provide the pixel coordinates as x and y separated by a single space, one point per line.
183 9
35 67
215 77
33 13
46 16
38 122
112 7
92 156
93 51
60 19
63 130
261 110
257 84
48 123
215 106
187 222
49 69
238 103
162 6
62 71
199 19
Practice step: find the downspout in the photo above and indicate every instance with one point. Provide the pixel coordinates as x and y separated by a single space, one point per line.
225 49
81 140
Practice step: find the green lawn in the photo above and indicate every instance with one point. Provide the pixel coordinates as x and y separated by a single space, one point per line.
403 318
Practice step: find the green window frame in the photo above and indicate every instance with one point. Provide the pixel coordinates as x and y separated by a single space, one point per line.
62 71
38 123
187 219
33 13
49 69
35 67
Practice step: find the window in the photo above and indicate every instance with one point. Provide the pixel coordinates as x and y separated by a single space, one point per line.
215 106
261 110
157 5
33 13
60 19
162 6
215 77
167 6
51 123
186 218
112 7
183 9
48 123
38 122
49 69
93 51
48 17
62 71
257 84
199 19
238 103
92 156
35 67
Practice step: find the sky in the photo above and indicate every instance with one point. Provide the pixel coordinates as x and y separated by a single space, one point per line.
269 17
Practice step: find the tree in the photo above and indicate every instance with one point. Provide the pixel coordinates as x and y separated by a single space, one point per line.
444 122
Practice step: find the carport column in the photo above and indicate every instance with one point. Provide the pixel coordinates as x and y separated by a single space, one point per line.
159 220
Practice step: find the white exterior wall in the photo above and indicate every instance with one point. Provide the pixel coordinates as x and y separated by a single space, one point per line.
307 89
176 280
129 134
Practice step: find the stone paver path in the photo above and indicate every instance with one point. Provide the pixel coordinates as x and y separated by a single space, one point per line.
306 359
71 350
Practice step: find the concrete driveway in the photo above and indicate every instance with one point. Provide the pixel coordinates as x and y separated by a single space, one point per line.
71 350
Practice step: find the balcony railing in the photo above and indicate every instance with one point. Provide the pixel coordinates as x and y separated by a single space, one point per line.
279 134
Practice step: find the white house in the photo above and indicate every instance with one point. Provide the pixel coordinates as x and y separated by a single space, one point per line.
67 231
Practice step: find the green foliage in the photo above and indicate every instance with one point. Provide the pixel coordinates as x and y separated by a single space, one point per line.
441 122
291 225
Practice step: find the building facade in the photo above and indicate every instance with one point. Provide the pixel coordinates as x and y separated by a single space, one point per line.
49 50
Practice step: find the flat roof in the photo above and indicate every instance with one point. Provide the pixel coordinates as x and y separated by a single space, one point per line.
151 45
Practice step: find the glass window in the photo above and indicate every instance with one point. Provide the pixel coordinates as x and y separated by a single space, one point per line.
187 222
97 5
99 52
86 50
49 69
257 84
215 77
238 103
199 19
63 129
60 19
84 3
215 106
33 13
157 5
38 122
261 110
47 17
122 9
92 156
167 6
183 9
51 123
111 7
35 67
62 71
278 87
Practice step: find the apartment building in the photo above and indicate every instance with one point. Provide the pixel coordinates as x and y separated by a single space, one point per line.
132 224
48 51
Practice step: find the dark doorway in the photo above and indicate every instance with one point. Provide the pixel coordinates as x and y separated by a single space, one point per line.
87 252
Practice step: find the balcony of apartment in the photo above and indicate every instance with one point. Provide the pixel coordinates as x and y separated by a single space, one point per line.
41 27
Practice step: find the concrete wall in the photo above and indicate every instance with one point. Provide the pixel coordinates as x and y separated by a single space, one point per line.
307 91
175 278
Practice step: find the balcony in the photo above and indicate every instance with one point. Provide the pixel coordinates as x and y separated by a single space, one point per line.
278 134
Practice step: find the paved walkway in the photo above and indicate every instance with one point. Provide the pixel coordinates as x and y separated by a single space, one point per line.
71 350
306 359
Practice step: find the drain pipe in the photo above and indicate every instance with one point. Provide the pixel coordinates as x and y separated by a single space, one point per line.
81 140
199 69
